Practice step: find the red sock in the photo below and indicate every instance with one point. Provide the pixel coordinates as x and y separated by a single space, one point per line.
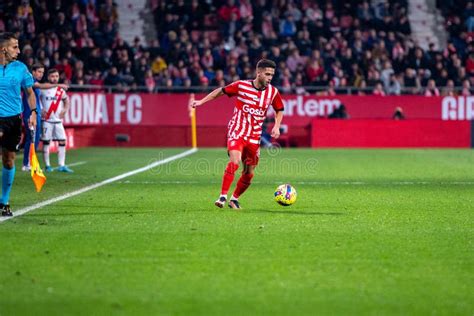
244 182
229 174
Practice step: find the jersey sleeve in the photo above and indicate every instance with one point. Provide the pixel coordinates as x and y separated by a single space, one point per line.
277 103
231 89
65 96
27 80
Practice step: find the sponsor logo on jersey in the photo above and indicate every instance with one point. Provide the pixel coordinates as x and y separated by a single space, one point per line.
253 111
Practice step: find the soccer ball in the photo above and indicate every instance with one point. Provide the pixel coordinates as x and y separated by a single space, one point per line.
285 195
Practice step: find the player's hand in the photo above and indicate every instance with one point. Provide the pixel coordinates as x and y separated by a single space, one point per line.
196 103
63 86
43 114
32 120
276 132
61 115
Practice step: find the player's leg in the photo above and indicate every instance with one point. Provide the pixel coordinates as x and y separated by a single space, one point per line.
10 134
46 137
60 135
62 157
242 185
38 134
8 175
26 148
234 148
250 157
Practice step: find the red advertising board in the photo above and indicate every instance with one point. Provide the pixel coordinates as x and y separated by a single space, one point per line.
163 120
171 109
390 133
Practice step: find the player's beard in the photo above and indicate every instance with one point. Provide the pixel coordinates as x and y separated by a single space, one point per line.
9 57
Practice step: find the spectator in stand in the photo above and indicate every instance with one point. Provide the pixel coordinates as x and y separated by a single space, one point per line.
466 88
97 79
373 78
112 78
108 12
218 80
158 66
338 33
313 70
431 89
461 75
204 82
288 26
411 81
393 87
448 90
362 88
95 60
378 90
226 11
386 73
78 76
139 72
418 61
127 74
150 81
65 69
295 60
330 92
470 64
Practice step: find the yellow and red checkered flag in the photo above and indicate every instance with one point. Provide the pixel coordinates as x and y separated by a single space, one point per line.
37 174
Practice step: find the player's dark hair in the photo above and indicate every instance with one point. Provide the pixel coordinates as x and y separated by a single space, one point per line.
36 66
266 63
5 37
52 71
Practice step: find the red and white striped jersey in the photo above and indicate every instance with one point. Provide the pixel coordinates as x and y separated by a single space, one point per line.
250 109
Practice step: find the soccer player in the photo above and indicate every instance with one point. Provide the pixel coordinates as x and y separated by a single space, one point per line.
14 76
245 127
38 71
55 105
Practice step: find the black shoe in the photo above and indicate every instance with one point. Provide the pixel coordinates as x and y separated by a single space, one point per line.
6 211
220 202
234 204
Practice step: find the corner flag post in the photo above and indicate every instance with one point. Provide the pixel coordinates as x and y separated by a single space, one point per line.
192 114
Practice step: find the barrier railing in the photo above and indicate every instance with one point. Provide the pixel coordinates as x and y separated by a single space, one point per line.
297 90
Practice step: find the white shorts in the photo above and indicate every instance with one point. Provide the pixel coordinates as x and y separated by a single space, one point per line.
53 131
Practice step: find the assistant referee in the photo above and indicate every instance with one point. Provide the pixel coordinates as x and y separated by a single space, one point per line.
14 76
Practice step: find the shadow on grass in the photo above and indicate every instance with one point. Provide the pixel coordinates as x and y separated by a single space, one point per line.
310 213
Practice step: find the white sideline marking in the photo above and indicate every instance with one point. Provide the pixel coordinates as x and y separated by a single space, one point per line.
73 164
99 184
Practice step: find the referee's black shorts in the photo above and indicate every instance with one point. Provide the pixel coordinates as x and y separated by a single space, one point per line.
10 127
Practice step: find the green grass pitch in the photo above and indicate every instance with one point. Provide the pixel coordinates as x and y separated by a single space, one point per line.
373 232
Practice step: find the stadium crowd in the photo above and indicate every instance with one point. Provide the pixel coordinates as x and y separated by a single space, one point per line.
329 44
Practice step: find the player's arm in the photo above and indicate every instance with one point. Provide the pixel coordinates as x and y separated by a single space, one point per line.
278 107
32 103
66 104
276 127
47 85
211 96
